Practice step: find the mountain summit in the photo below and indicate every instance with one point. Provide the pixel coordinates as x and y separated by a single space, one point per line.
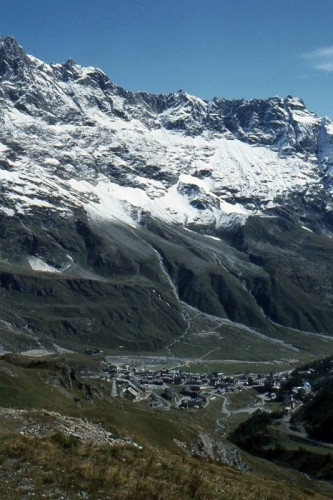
123 199
209 159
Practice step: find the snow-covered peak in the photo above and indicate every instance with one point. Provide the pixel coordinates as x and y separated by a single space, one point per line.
13 59
10 48
70 137
295 102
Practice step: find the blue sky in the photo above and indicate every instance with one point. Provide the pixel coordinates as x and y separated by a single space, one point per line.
226 48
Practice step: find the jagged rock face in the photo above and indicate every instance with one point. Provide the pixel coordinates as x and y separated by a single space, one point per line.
91 176
70 137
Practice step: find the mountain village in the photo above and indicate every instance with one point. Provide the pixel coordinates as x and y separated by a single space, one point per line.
166 388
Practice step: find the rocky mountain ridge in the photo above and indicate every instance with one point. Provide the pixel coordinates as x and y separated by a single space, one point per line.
179 158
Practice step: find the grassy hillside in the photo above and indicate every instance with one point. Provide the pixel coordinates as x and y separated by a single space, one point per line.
38 458
139 289
61 467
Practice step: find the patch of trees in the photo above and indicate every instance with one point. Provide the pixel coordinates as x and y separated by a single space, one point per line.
317 414
258 436
253 434
317 465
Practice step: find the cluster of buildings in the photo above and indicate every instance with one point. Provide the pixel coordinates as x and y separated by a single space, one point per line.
174 388
167 388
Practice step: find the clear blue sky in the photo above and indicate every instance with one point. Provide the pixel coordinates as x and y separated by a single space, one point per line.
227 48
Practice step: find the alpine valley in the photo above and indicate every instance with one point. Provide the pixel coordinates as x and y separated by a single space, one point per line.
166 291
145 223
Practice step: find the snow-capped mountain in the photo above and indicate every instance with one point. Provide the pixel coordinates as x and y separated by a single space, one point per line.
70 137
79 153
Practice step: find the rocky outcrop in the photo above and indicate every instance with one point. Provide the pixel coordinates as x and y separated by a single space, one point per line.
41 423
207 447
